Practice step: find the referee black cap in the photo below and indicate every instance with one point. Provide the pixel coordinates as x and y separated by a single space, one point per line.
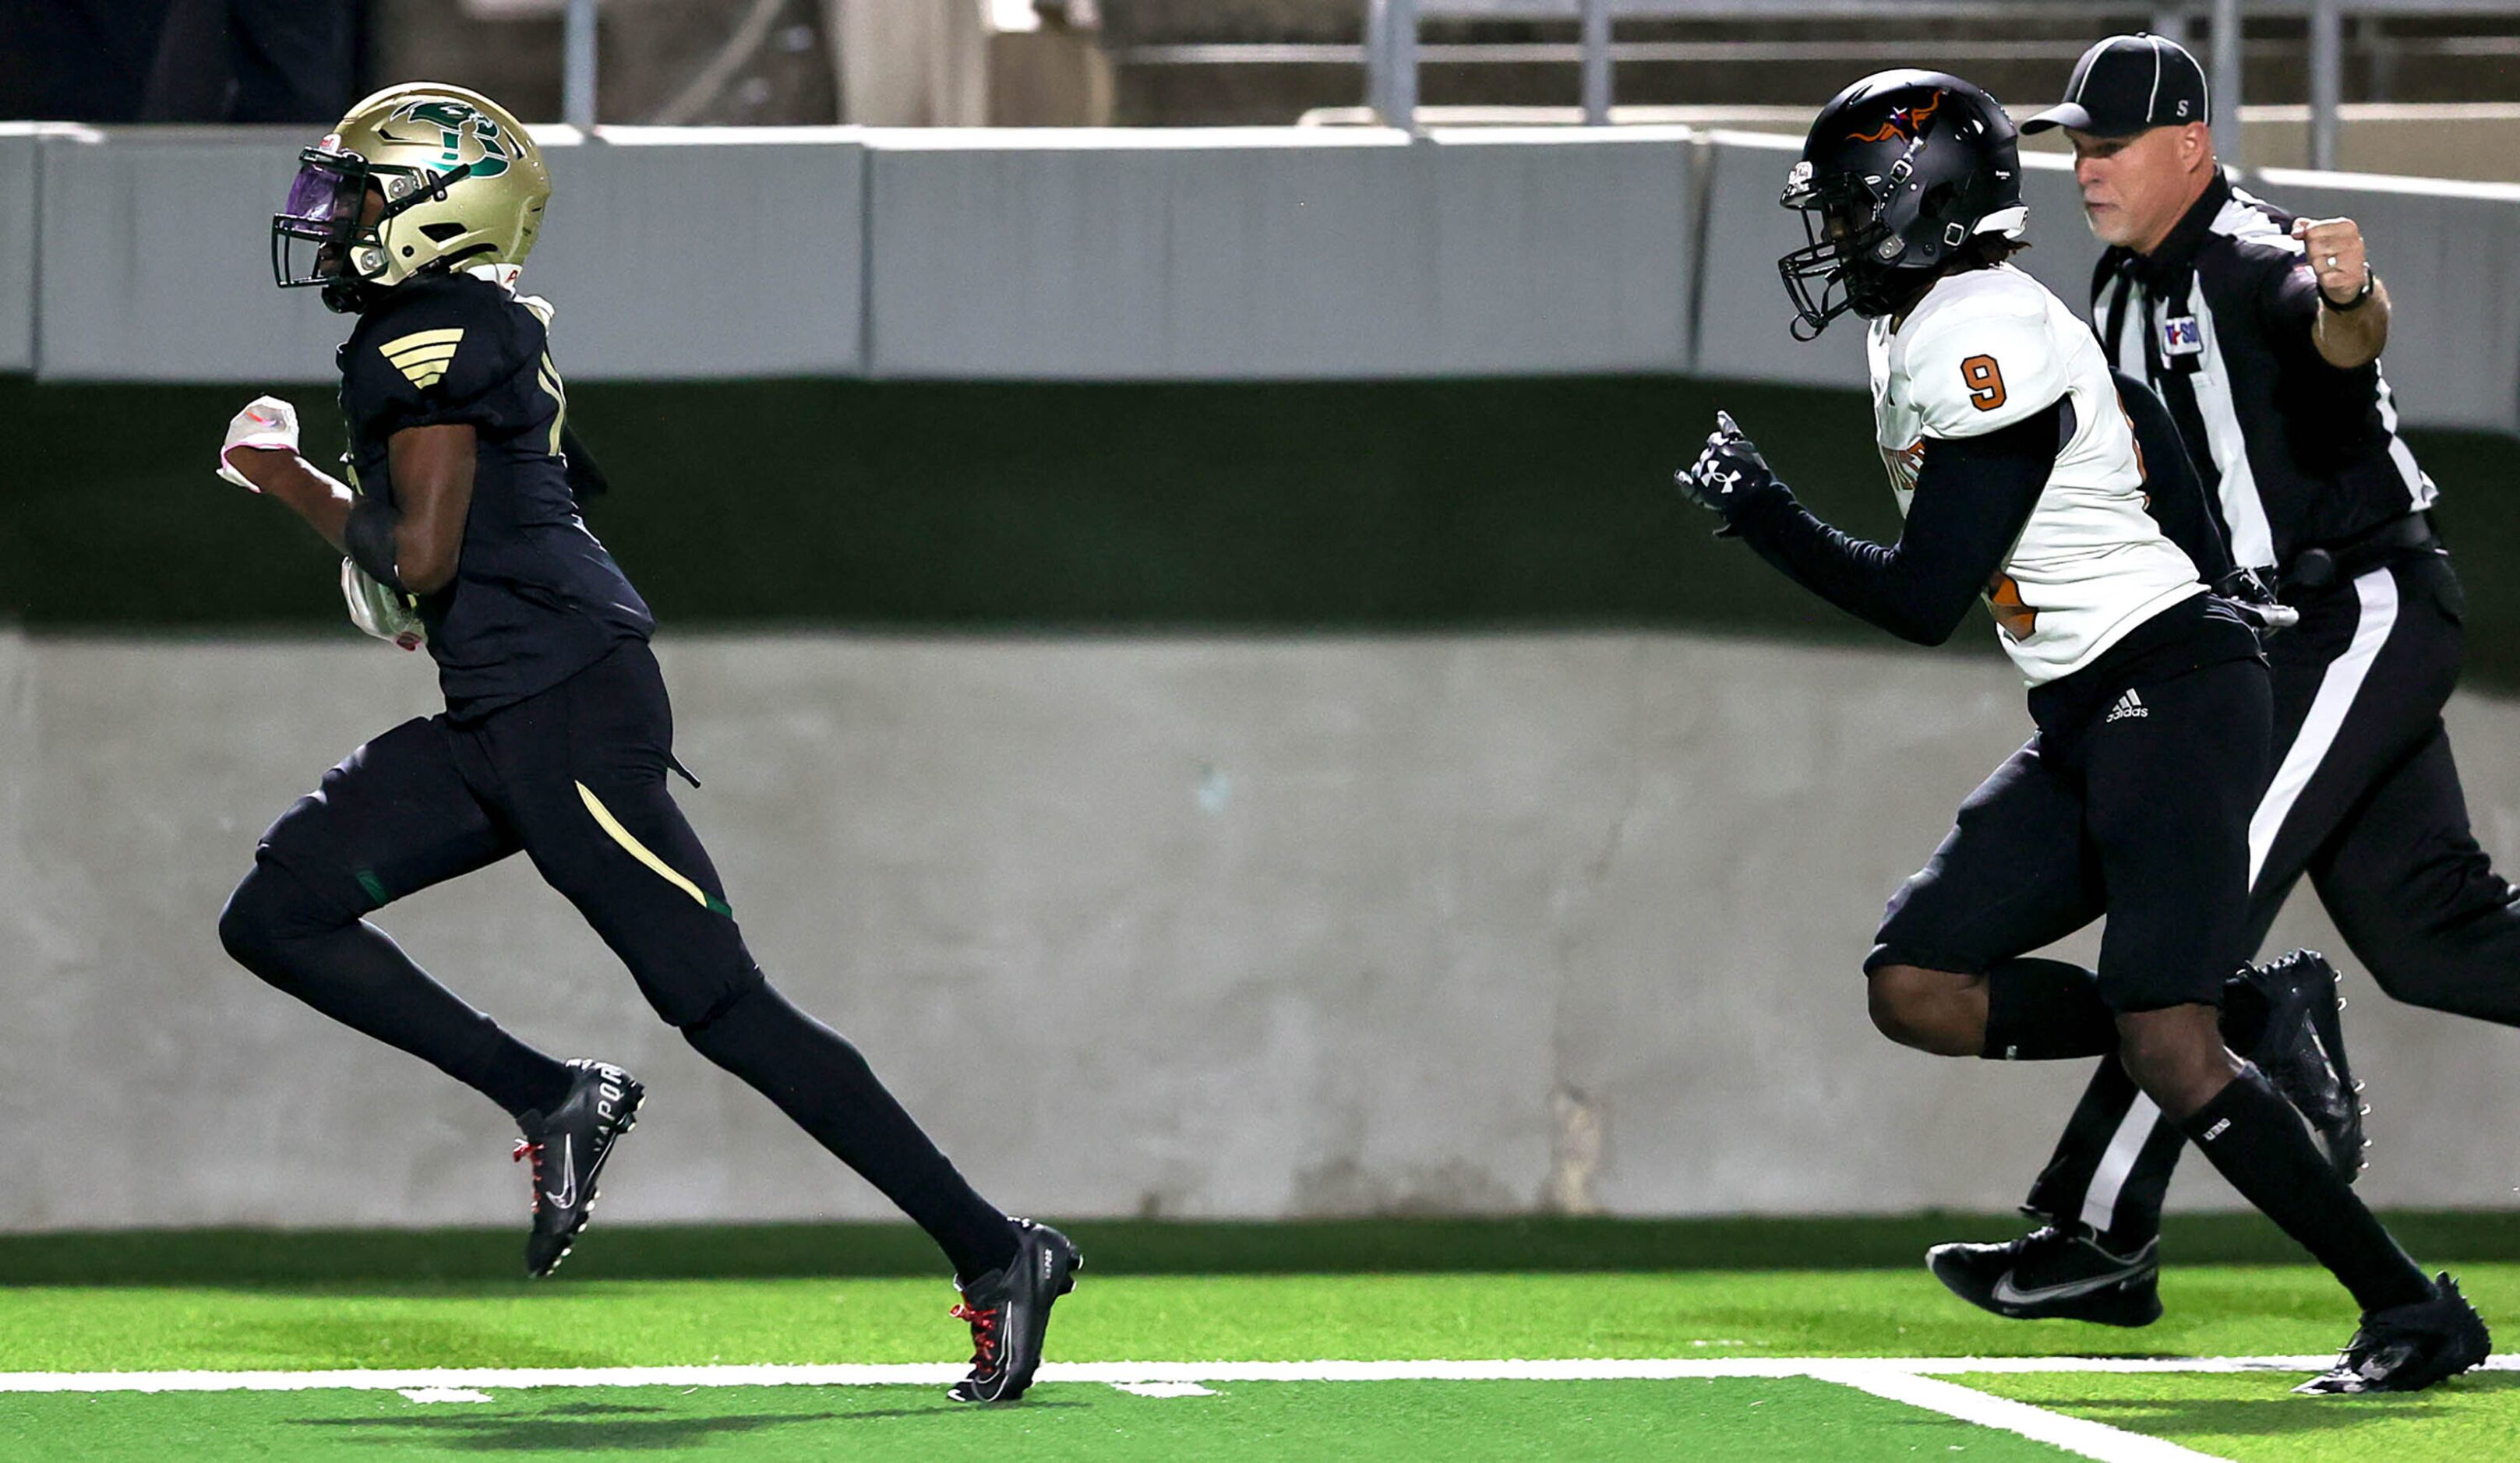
2126 84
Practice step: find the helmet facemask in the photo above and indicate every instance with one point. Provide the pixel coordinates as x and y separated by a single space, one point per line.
324 223
1843 221
318 233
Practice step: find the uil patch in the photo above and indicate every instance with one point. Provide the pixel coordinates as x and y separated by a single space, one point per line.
423 355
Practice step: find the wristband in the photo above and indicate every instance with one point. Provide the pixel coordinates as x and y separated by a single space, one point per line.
368 537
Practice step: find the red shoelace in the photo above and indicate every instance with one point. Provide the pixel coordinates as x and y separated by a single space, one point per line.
528 1148
984 1333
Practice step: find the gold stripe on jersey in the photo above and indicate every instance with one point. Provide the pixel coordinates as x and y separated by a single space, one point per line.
423 355
547 377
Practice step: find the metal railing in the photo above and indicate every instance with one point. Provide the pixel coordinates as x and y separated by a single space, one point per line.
1392 55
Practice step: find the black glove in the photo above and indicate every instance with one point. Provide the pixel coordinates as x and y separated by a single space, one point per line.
1729 472
2256 601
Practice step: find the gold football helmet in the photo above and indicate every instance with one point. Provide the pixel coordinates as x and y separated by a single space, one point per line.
419 177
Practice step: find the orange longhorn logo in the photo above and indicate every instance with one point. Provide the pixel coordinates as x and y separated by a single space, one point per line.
1904 121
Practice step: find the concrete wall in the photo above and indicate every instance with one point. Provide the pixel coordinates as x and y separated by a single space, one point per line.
1226 927
1284 253
1269 253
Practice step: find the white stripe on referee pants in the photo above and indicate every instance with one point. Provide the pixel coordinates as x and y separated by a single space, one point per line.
2338 686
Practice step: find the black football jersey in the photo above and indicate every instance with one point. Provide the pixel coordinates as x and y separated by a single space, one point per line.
535 597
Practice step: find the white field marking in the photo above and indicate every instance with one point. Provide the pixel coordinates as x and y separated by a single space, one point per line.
1114 1373
1912 1381
2076 1435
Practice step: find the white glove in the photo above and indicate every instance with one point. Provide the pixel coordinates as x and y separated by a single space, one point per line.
379 610
266 423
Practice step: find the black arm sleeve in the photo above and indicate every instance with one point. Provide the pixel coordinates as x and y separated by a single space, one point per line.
369 536
1973 495
586 477
2173 494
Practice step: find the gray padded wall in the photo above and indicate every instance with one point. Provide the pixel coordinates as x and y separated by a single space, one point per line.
705 253
17 152
156 259
1278 926
1288 253
2450 252
1272 253
1742 314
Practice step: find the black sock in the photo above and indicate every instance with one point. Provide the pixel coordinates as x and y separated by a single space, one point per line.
2042 1010
355 974
819 1079
2254 1139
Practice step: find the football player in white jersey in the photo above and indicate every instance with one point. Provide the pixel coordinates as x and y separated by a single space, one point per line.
2017 470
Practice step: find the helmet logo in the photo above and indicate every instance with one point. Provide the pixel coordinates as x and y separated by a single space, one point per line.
456 123
1905 122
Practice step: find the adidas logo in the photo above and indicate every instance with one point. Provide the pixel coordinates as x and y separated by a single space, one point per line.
2127 705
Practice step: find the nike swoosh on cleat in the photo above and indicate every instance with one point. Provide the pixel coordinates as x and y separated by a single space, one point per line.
2011 1294
567 1194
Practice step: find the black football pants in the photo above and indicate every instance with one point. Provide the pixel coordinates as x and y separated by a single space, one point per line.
2365 800
574 778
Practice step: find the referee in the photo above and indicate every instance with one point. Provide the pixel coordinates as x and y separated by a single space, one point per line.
2263 333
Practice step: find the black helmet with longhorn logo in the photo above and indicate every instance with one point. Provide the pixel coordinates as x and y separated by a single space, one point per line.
1900 172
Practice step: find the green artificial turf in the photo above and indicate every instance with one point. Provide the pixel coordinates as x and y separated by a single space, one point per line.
1167 1293
1789 1420
2253 1417
2214 1311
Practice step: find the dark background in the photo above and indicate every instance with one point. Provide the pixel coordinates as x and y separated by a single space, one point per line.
922 506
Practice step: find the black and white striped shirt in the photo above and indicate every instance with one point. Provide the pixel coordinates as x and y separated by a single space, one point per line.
2296 453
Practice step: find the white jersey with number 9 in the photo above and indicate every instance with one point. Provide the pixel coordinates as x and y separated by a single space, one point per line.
1983 351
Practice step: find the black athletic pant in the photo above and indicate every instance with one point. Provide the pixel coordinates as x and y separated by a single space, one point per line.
574 778
2367 802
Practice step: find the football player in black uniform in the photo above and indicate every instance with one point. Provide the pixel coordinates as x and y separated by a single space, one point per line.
2015 463
460 529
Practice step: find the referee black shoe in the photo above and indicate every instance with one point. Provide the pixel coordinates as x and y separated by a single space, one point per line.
569 1146
2407 1348
1009 1310
2053 1273
2300 1046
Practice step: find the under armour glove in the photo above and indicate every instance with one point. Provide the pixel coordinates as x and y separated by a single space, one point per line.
267 424
379 610
1729 472
2249 594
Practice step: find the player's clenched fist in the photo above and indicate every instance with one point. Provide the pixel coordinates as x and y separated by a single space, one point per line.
2335 250
1728 472
266 424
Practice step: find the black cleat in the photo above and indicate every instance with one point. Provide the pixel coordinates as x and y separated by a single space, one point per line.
568 1148
2053 1274
2300 1045
1009 1314
2407 1348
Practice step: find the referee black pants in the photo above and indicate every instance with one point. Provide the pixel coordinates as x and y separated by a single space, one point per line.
2365 800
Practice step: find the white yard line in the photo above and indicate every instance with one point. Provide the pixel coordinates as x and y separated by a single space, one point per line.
1916 1380
931 1373
2076 1435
